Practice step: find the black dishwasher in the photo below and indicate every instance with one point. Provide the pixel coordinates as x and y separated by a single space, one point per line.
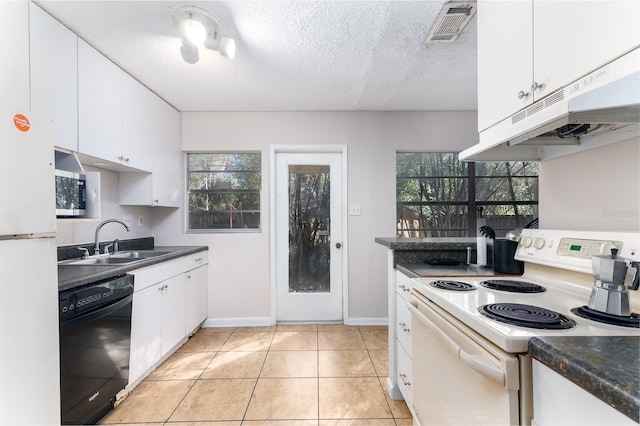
95 343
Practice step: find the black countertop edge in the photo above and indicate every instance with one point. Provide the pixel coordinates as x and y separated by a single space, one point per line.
70 276
462 270
452 243
605 366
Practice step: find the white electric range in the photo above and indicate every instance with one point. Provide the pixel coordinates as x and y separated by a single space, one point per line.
466 347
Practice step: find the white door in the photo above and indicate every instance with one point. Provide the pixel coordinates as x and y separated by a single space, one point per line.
309 238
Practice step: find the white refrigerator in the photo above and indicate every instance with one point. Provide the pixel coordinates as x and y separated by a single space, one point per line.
29 352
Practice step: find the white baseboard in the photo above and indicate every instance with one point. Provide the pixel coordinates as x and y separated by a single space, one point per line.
238 322
369 321
267 321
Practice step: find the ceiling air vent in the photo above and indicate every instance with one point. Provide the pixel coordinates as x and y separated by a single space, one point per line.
452 19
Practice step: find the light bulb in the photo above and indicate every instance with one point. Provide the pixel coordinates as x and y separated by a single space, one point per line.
189 52
227 47
194 30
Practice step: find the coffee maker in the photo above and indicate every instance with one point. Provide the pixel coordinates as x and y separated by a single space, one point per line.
609 294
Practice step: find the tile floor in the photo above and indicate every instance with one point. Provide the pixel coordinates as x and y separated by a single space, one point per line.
285 375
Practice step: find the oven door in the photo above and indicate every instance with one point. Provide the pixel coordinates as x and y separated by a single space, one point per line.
458 377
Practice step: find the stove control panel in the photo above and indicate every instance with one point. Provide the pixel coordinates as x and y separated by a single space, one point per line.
572 250
586 248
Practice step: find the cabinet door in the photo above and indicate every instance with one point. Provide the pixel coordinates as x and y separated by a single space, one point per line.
573 38
173 312
505 59
54 76
14 51
99 105
196 283
167 163
137 124
146 331
163 186
405 376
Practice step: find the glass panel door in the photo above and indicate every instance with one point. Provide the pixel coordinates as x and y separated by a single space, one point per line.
309 224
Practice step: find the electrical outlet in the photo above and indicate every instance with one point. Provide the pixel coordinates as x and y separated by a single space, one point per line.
140 221
355 210
128 220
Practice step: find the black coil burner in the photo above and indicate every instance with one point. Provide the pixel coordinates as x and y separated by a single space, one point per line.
451 285
632 320
526 316
513 286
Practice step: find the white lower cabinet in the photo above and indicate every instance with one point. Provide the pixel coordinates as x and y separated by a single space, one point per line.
168 299
146 331
403 339
404 376
197 307
173 312
558 401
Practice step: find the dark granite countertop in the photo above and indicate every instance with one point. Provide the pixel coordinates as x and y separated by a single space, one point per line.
607 367
70 276
416 270
452 243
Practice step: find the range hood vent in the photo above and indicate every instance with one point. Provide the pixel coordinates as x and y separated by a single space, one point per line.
452 19
600 108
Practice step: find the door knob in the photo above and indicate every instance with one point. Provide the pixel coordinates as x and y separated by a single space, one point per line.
338 245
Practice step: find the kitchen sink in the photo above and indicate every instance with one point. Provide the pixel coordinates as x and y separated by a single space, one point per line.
138 254
101 261
122 258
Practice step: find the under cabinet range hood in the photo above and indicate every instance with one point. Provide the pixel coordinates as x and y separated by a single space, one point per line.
600 108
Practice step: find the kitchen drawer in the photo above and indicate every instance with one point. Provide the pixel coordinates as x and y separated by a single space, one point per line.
196 260
403 285
404 377
174 267
146 277
403 324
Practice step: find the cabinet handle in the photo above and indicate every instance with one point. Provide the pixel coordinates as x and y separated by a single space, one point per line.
121 158
404 327
522 94
404 379
535 86
200 259
404 288
156 201
188 277
126 159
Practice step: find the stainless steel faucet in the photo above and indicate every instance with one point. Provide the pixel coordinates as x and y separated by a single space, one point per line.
96 250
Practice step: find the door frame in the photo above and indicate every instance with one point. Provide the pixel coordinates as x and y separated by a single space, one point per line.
307 149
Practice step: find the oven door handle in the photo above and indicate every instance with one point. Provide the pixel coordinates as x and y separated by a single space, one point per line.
477 363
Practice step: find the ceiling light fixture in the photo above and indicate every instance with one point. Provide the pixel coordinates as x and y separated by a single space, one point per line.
199 27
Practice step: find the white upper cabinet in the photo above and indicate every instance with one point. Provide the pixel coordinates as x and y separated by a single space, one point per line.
54 76
574 38
14 51
99 105
113 116
529 49
163 187
138 123
505 62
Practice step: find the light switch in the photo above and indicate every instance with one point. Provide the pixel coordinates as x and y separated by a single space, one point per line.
355 209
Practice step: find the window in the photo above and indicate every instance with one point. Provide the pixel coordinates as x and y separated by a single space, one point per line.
438 195
223 191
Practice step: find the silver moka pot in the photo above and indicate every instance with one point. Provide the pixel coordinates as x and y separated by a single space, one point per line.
609 292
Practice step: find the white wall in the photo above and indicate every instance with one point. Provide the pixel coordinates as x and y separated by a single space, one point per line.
596 190
239 269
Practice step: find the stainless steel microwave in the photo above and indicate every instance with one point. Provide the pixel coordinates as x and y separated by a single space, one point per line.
71 194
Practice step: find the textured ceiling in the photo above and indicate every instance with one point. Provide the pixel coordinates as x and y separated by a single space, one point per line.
291 55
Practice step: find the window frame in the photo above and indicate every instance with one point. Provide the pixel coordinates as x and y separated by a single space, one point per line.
471 203
259 192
